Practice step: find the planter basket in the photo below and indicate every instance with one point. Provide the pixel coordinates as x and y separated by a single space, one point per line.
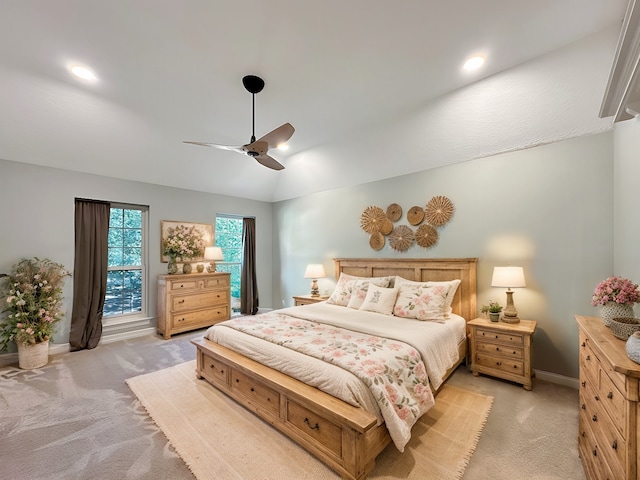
33 356
623 328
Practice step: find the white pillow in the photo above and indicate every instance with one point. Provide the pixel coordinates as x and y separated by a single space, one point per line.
421 302
379 299
451 286
346 283
361 287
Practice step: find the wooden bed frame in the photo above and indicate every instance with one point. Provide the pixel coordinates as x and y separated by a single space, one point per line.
344 437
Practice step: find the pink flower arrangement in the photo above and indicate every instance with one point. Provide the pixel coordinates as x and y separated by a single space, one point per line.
617 290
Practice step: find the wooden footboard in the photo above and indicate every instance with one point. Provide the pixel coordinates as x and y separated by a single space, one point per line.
344 437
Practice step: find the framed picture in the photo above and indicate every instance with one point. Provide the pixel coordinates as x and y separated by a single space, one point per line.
205 229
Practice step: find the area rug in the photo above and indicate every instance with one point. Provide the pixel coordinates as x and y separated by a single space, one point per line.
220 440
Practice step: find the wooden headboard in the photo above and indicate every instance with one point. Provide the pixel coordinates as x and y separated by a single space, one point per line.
422 270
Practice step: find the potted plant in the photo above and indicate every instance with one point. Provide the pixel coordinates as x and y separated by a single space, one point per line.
493 309
616 295
32 297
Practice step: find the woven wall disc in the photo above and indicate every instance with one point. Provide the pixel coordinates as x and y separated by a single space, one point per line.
386 227
439 210
401 238
426 236
372 219
394 212
376 241
415 215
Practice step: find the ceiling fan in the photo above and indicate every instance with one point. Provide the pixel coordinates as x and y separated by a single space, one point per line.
258 148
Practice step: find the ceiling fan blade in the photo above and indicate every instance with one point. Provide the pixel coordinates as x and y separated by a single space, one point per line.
269 162
278 136
239 149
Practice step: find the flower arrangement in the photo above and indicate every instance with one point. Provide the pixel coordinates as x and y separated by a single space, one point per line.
33 301
617 290
493 307
184 242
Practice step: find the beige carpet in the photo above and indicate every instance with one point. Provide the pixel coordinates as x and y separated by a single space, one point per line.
220 440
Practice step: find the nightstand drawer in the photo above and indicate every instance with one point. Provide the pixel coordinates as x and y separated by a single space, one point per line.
500 350
499 363
500 337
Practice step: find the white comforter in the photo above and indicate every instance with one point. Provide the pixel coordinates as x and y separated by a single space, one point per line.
436 342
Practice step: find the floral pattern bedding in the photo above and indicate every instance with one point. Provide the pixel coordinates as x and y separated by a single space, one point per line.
393 370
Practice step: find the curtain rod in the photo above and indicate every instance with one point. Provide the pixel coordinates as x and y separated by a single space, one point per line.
91 200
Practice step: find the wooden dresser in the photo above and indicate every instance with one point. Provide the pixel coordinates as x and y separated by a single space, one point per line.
189 302
608 420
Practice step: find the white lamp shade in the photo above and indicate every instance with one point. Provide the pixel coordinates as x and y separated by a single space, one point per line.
213 253
510 277
314 270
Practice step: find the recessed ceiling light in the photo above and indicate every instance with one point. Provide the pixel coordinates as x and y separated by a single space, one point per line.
473 63
83 72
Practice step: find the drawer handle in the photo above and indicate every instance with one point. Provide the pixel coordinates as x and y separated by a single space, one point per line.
610 395
181 301
315 427
497 349
584 344
614 445
496 336
181 319
253 389
597 398
584 407
595 417
595 452
584 384
181 285
588 358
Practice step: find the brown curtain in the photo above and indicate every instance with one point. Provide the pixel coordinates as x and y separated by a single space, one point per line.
89 273
248 282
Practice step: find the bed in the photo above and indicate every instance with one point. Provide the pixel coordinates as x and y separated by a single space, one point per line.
347 434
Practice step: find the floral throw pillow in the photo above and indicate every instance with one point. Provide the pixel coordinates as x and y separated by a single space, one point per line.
360 289
379 299
421 302
449 287
342 293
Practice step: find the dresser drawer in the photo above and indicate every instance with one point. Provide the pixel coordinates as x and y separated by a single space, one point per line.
593 457
315 426
500 350
503 364
589 366
191 284
180 303
199 318
260 396
499 337
217 282
613 401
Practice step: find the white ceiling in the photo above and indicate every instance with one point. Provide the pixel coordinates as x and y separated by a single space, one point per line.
171 71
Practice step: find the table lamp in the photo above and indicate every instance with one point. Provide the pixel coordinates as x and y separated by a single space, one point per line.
212 254
314 271
510 277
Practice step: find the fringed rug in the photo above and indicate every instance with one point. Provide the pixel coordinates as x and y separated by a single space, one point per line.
220 440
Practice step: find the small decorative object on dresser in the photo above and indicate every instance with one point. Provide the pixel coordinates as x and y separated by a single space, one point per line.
503 350
608 420
187 268
299 300
616 295
633 347
189 302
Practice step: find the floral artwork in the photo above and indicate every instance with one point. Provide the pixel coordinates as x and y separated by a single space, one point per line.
185 240
33 301
393 370
617 290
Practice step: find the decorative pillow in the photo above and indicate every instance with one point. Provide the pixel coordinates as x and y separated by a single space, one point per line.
421 302
379 299
450 287
361 287
346 283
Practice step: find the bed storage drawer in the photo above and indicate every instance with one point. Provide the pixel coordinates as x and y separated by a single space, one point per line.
261 396
214 370
315 426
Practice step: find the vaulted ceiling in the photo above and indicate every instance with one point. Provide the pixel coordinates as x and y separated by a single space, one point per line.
342 72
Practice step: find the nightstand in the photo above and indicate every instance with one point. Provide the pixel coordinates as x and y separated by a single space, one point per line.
308 299
503 350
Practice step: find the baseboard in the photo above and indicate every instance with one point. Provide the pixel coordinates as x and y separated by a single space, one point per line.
557 379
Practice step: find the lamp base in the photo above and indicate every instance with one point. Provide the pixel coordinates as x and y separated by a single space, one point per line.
315 291
510 314
506 319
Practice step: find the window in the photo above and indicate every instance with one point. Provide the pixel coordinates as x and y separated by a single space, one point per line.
126 289
229 238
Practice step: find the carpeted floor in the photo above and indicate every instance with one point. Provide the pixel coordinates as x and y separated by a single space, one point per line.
76 419
195 417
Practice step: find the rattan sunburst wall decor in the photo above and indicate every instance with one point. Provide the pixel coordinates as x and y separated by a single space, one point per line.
378 224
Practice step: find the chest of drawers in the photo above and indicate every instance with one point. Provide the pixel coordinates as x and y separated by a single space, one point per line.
608 419
502 349
189 302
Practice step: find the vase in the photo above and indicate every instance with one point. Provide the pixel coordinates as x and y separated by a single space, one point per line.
172 267
33 355
186 268
611 310
633 347
200 268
